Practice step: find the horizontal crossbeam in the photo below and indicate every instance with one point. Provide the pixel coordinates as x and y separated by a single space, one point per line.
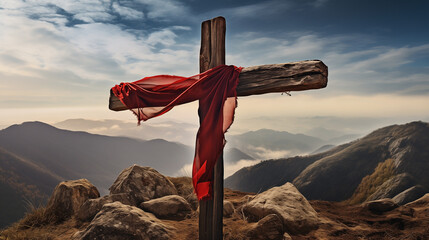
282 77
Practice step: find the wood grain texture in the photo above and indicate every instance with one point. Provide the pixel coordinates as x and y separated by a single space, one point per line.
294 76
282 77
212 54
217 57
205 218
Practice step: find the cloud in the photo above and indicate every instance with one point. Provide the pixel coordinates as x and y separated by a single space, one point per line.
165 37
318 3
255 10
355 67
57 64
232 168
126 12
165 10
264 153
91 17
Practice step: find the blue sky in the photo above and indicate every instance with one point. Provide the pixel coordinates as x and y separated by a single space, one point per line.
59 58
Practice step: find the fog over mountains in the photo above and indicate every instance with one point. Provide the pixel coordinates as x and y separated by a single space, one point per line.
259 144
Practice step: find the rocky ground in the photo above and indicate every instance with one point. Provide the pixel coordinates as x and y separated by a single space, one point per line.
170 212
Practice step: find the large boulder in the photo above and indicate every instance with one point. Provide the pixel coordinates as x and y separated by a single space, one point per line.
68 197
170 207
117 221
381 205
289 204
410 195
92 206
268 228
142 184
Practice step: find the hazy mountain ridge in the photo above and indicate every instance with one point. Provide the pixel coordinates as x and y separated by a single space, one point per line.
337 173
270 173
170 131
73 155
20 181
266 143
35 156
259 144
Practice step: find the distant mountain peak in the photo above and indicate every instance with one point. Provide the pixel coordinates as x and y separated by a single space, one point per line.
29 125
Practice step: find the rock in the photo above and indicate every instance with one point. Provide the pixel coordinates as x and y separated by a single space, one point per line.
142 184
228 208
268 228
92 206
421 202
289 204
68 197
123 222
409 195
393 187
185 189
381 205
170 207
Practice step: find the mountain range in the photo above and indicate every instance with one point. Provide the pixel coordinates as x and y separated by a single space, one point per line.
259 144
391 162
35 157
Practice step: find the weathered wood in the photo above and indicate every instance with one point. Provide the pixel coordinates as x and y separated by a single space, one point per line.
218 195
283 77
217 57
212 54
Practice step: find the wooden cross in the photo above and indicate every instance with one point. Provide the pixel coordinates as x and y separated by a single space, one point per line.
284 77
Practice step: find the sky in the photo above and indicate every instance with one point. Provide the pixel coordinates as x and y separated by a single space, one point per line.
59 58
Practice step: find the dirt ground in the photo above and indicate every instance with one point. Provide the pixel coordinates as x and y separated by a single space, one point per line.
339 221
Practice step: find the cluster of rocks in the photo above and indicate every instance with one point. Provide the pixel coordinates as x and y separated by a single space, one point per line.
141 197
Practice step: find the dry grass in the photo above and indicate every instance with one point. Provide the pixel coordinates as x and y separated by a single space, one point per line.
47 232
369 184
38 224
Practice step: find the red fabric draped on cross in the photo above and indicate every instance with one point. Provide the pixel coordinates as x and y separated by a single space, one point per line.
216 91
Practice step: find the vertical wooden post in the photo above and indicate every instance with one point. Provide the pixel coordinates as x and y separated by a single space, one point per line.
212 54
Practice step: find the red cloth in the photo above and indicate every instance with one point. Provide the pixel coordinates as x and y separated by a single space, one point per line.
216 91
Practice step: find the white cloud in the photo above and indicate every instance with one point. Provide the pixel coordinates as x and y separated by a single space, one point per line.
255 10
376 69
126 12
57 65
264 153
232 168
91 17
165 37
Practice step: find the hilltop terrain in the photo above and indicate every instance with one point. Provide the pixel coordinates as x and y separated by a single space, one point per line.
83 214
389 162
